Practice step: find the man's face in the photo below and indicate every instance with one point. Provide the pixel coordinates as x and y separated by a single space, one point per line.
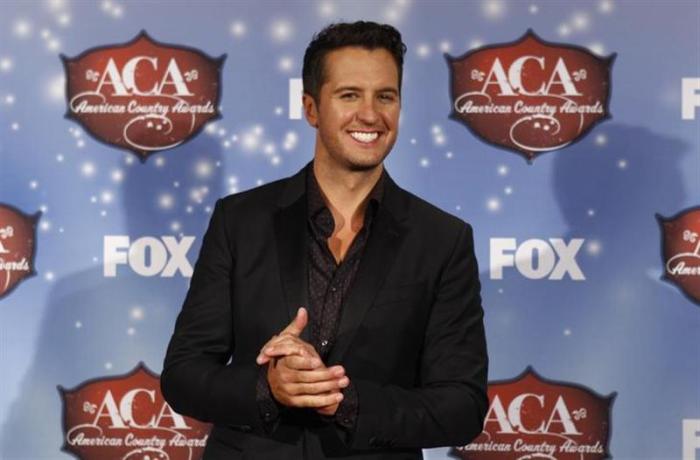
358 109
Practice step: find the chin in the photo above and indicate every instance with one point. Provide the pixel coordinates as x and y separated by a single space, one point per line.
365 164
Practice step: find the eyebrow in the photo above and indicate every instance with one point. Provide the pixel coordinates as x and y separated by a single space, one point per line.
387 89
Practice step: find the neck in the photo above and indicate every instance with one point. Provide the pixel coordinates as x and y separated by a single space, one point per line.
346 192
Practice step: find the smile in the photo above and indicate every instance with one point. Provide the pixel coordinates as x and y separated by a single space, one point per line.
364 137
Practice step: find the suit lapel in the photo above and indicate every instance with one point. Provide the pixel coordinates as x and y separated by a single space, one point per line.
378 256
292 248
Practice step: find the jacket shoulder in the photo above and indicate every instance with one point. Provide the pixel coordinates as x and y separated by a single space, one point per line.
261 199
433 219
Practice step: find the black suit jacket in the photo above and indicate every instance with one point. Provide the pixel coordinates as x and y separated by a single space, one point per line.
411 336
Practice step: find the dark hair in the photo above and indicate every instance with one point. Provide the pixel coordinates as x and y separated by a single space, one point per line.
365 34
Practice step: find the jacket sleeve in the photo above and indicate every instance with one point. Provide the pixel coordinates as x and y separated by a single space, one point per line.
198 379
449 402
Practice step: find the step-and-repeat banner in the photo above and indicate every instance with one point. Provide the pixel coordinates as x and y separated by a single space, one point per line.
566 132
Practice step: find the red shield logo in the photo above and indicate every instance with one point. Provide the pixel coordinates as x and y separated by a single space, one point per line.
126 417
533 418
143 96
530 96
17 247
681 251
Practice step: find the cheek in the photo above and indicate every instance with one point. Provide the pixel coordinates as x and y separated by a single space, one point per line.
391 117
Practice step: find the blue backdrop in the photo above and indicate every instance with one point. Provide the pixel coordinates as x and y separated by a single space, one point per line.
620 330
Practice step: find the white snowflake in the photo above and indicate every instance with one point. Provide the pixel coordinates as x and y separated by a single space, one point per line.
593 247
117 176
493 204
597 48
63 19
285 64
88 169
564 30
166 201
55 5
580 21
423 50
290 140
22 28
326 9
605 6
493 9
281 30
203 169
6 64
238 29
475 43
106 197
136 313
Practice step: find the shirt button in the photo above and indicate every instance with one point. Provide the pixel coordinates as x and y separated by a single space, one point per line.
324 343
333 289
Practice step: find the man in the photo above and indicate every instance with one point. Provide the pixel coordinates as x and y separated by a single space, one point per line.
387 355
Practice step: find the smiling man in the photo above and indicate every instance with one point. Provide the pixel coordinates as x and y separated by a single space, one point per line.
333 314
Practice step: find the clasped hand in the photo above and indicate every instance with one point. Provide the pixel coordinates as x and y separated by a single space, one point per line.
296 374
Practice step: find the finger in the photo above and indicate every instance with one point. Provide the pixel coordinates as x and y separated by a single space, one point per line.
270 349
287 342
318 388
288 349
305 363
298 323
314 401
314 375
327 410
261 359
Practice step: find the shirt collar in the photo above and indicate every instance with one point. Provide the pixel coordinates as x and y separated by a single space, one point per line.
316 204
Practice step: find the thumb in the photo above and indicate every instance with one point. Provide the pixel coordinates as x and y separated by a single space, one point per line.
298 323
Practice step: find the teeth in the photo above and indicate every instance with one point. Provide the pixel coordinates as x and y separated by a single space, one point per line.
364 137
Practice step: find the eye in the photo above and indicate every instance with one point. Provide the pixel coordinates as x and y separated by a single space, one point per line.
387 97
349 96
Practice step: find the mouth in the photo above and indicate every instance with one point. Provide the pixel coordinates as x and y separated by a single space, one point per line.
365 137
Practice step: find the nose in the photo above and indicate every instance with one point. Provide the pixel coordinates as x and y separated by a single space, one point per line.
367 112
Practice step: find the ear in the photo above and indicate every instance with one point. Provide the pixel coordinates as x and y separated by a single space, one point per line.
310 110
